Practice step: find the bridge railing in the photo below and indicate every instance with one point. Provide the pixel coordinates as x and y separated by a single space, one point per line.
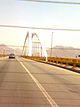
57 60
35 58
2 55
66 61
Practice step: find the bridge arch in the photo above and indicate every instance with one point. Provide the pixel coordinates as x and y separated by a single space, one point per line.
33 46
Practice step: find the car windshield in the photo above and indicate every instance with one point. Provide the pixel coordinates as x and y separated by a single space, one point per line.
12 54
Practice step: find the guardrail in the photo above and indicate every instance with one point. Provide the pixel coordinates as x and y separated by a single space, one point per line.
67 61
57 60
2 55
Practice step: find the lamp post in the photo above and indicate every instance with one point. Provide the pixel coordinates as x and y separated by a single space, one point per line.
51 44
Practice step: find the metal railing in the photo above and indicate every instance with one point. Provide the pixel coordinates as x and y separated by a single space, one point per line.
2 55
57 60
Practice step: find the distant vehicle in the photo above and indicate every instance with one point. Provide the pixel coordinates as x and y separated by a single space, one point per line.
11 56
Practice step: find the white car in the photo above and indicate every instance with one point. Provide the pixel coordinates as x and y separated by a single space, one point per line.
11 56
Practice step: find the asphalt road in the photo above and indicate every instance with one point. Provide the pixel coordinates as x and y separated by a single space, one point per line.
27 83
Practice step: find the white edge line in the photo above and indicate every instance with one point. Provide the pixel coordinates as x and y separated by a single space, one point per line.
47 96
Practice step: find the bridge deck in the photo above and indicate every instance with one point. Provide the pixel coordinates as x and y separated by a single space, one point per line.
27 83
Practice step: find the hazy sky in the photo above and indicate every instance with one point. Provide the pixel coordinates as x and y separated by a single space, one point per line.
23 13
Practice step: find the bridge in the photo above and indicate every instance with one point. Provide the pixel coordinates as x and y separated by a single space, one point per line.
36 80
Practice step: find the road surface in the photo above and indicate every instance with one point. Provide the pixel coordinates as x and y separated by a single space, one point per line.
27 83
